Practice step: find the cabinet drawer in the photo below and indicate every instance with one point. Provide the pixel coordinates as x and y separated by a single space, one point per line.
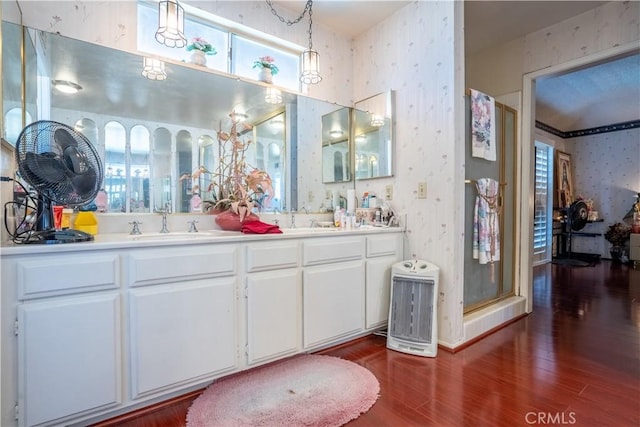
161 266
383 245
332 249
52 275
271 256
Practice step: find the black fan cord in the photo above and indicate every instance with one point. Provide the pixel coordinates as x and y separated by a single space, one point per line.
18 236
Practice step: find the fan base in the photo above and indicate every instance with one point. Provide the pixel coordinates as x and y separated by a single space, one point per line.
58 236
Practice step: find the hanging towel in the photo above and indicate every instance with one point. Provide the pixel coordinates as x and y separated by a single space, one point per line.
486 230
483 126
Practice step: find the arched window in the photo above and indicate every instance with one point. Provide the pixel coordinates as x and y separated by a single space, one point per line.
139 169
115 166
13 124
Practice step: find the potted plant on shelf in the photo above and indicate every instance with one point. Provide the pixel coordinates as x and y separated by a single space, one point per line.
236 188
199 47
267 68
618 235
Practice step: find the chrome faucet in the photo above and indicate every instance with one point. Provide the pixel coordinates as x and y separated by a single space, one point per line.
164 212
135 230
293 219
192 226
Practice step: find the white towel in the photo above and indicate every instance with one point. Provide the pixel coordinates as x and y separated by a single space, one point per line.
483 126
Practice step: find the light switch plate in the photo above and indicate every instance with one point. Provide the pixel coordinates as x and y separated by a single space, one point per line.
422 190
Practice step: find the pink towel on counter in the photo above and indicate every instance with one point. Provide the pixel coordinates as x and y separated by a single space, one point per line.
259 227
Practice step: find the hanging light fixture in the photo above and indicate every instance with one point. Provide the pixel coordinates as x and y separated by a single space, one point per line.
377 120
273 95
171 24
66 86
310 58
153 69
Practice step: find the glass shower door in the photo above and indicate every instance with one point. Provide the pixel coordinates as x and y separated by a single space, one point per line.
487 283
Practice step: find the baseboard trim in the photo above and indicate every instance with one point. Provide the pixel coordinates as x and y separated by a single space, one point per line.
130 416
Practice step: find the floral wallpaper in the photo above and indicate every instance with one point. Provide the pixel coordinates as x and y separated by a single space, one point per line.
607 170
418 52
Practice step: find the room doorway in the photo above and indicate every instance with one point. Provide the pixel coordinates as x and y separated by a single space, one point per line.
527 165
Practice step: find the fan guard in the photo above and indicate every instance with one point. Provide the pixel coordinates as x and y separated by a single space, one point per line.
577 215
64 167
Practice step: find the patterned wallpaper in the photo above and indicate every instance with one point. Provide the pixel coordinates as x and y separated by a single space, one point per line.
418 52
606 169
412 52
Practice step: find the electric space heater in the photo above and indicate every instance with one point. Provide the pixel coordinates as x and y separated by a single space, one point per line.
413 320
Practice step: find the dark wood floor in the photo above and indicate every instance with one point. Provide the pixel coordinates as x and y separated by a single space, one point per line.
574 361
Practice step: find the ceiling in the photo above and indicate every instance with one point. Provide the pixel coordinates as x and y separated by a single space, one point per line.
599 95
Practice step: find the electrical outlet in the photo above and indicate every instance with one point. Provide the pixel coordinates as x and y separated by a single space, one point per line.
311 197
422 190
388 192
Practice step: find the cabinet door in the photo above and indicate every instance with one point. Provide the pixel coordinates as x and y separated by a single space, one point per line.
181 333
273 312
333 302
68 357
378 289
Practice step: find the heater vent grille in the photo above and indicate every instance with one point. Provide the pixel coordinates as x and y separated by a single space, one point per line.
412 309
413 317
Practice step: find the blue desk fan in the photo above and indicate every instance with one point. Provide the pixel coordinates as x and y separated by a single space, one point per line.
63 167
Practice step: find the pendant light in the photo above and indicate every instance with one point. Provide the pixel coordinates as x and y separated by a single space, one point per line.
273 95
310 58
153 69
171 24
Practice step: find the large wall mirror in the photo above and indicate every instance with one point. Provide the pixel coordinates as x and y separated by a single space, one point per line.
336 146
151 133
373 137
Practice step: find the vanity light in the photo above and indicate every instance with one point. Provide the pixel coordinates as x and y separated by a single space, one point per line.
336 133
273 96
65 86
153 69
277 123
360 139
171 24
377 121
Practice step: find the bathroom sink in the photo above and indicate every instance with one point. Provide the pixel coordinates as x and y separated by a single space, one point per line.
301 230
173 236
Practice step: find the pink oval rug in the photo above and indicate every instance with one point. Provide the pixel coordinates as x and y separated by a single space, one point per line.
306 390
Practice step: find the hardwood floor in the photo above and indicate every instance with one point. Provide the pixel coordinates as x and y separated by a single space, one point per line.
574 361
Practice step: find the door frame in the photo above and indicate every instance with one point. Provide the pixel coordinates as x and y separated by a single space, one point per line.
526 153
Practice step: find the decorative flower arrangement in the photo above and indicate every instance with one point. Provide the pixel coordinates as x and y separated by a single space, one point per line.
198 43
235 185
618 234
266 62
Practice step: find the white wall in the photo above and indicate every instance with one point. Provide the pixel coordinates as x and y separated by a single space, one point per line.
606 169
417 52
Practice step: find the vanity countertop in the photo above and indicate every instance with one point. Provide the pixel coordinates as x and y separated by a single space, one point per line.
128 241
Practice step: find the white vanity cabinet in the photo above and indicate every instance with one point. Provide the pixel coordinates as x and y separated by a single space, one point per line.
181 316
67 327
333 289
382 252
90 331
273 292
